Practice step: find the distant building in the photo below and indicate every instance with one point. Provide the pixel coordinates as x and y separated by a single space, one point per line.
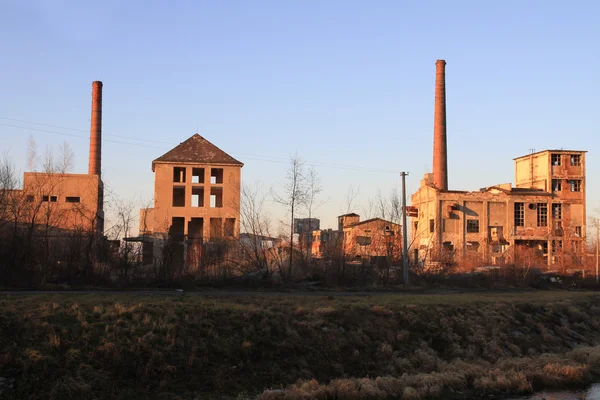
366 240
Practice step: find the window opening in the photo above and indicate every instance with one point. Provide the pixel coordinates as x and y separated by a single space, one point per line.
472 226
197 175
179 196
73 199
179 174
229 227
216 175
556 185
519 214
575 160
542 214
216 197
197 197
431 225
575 185
556 160
557 211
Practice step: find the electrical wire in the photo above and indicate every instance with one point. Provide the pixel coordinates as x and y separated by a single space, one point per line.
246 156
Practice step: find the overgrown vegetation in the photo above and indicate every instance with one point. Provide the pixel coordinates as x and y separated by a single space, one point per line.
305 347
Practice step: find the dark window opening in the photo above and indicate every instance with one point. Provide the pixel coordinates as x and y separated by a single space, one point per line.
178 196
431 225
30 198
473 246
216 175
53 199
557 211
542 214
416 225
519 214
197 175
45 198
448 246
216 197
556 185
556 246
216 227
229 227
575 185
195 228
176 231
578 231
556 160
575 160
197 197
73 199
179 174
472 226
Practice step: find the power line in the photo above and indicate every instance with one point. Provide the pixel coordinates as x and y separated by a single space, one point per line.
248 156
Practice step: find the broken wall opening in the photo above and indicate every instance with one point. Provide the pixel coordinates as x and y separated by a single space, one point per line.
216 175
195 228
197 175
198 196
178 196
216 228
229 228
179 174
216 197
176 231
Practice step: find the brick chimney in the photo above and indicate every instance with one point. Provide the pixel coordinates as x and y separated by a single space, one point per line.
96 130
440 152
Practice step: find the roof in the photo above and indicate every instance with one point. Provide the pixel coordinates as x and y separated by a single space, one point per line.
196 149
349 215
366 221
562 151
519 191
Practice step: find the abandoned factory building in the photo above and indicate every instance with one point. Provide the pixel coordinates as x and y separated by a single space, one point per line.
196 199
542 216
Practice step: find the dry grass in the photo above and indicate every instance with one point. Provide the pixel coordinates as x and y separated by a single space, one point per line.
188 347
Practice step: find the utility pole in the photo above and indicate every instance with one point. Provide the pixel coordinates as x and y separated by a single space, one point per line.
405 230
597 244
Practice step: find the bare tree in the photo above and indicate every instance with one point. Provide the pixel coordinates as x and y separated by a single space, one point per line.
294 196
314 187
351 195
48 163
66 158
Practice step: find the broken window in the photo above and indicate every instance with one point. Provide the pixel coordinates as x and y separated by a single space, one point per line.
556 160
575 160
216 197
431 225
179 174
578 231
197 197
575 244
556 246
519 214
229 227
542 214
30 198
72 199
558 229
195 228
557 211
472 226
575 185
178 196
197 175
216 227
556 185
448 246
216 175
473 246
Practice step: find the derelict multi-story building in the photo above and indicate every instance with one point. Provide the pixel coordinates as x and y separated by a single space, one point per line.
196 197
543 214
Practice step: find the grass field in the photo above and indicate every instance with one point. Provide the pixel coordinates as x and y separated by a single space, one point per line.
127 346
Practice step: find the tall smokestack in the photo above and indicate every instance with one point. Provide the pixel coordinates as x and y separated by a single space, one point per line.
440 151
96 130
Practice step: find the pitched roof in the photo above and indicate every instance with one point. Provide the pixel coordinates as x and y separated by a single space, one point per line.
366 221
197 149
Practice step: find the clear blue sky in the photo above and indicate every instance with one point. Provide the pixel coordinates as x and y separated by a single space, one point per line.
340 82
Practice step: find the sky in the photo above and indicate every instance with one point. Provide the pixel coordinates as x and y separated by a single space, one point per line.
346 85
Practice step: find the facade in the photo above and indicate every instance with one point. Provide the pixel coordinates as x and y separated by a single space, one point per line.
542 217
367 239
196 196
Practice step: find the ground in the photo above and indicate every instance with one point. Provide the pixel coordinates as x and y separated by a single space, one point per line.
236 345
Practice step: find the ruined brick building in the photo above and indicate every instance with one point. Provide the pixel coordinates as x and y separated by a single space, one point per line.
543 215
196 199
367 240
63 202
